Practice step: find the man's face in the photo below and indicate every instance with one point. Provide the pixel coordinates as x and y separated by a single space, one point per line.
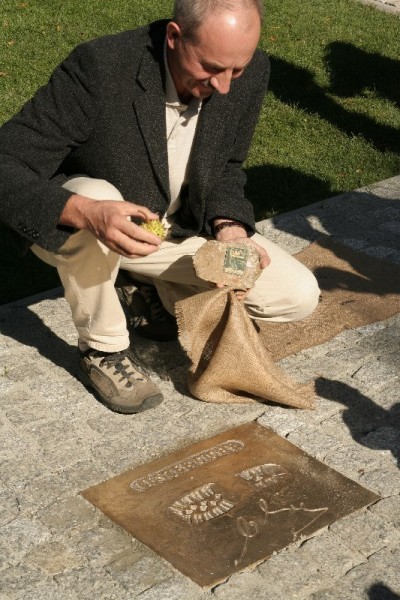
219 52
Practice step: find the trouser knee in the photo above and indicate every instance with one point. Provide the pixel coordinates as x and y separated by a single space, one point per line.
96 189
307 297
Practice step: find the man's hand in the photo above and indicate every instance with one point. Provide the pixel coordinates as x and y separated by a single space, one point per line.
239 234
109 221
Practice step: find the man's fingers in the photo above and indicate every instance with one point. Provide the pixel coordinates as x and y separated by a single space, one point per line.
130 248
135 232
264 258
111 210
132 241
135 210
114 223
240 294
136 250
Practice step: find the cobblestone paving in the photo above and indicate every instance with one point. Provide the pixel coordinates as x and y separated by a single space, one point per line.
391 6
56 440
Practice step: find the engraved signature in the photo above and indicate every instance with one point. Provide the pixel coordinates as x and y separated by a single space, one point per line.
251 529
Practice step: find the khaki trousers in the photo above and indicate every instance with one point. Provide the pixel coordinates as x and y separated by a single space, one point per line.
285 291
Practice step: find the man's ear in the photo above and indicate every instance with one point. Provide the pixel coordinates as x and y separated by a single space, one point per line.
174 34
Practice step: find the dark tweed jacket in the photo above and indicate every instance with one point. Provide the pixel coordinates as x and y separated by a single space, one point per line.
102 114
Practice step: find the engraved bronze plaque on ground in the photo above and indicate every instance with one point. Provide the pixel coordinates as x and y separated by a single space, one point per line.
228 502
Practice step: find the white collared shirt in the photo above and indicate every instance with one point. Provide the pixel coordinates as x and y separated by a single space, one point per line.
181 120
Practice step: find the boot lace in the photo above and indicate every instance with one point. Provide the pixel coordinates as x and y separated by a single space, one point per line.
122 364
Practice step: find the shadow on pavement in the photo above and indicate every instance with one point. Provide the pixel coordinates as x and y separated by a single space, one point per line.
369 424
364 221
167 359
379 591
372 276
348 217
28 329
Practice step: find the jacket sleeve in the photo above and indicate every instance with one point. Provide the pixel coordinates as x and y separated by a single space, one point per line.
34 143
227 196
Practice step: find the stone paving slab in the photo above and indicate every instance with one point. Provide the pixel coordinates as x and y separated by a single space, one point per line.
56 440
390 6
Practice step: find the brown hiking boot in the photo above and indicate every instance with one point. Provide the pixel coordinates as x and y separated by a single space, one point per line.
156 323
145 312
118 382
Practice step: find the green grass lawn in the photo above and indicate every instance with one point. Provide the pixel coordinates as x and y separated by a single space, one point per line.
330 123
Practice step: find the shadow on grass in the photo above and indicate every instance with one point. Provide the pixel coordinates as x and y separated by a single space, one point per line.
355 72
369 424
273 189
296 86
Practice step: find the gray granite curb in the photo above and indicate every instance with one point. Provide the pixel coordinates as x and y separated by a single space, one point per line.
390 6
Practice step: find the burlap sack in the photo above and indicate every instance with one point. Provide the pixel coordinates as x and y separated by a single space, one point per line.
229 361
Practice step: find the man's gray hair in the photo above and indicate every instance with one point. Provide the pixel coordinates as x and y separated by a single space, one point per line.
190 14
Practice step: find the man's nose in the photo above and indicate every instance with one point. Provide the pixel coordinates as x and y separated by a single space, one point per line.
222 82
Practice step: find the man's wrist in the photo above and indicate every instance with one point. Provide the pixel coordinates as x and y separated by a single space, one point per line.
220 224
74 213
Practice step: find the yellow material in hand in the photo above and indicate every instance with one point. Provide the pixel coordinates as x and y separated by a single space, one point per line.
154 226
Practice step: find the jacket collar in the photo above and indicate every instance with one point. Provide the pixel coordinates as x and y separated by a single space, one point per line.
149 103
